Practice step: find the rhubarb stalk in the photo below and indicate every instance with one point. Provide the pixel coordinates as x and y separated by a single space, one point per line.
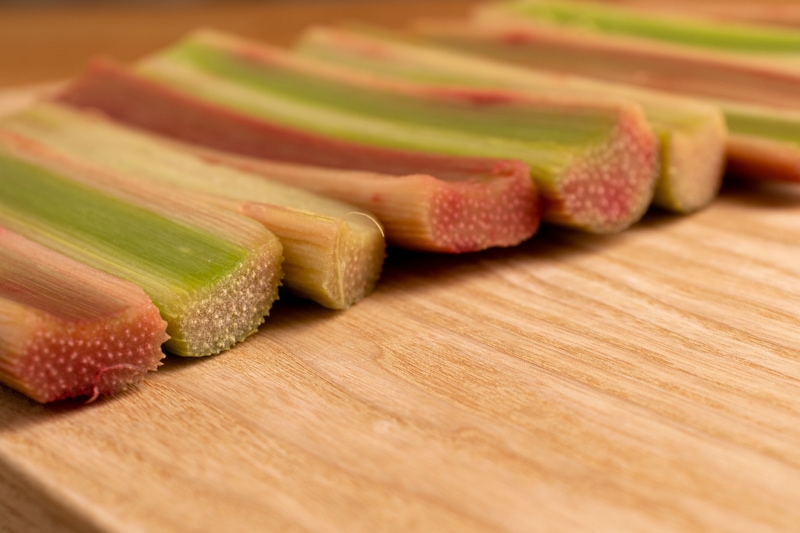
470 204
69 330
767 12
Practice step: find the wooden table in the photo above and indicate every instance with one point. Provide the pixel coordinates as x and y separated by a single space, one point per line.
648 381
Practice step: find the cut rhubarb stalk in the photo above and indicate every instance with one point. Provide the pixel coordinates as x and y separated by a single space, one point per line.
69 330
595 164
722 80
332 253
692 134
212 274
672 29
424 201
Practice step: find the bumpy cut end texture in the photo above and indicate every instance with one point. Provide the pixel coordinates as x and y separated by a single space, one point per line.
696 162
361 258
334 260
228 311
475 215
66 359
611 186
69 330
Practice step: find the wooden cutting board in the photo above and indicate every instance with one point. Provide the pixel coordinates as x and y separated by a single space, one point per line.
648 381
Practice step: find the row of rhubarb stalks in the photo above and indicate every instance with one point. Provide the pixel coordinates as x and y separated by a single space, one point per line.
158 207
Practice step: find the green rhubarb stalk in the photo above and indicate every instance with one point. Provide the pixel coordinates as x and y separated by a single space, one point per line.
727 82
671 29
212 274
692 134
333 252
69 330
595 164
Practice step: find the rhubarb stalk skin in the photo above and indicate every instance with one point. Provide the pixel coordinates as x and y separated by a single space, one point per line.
213 275
68 330
694 73
765 144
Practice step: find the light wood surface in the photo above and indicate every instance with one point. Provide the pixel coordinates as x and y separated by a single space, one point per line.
648 381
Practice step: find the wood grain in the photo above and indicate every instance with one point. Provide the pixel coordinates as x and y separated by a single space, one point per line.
648 381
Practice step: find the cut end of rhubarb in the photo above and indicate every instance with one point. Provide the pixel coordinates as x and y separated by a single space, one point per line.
69 330
612 185
230 310
694 165
474 215
335 260
67 359
361 255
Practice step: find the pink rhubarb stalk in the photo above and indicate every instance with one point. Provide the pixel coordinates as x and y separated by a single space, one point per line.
69 330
